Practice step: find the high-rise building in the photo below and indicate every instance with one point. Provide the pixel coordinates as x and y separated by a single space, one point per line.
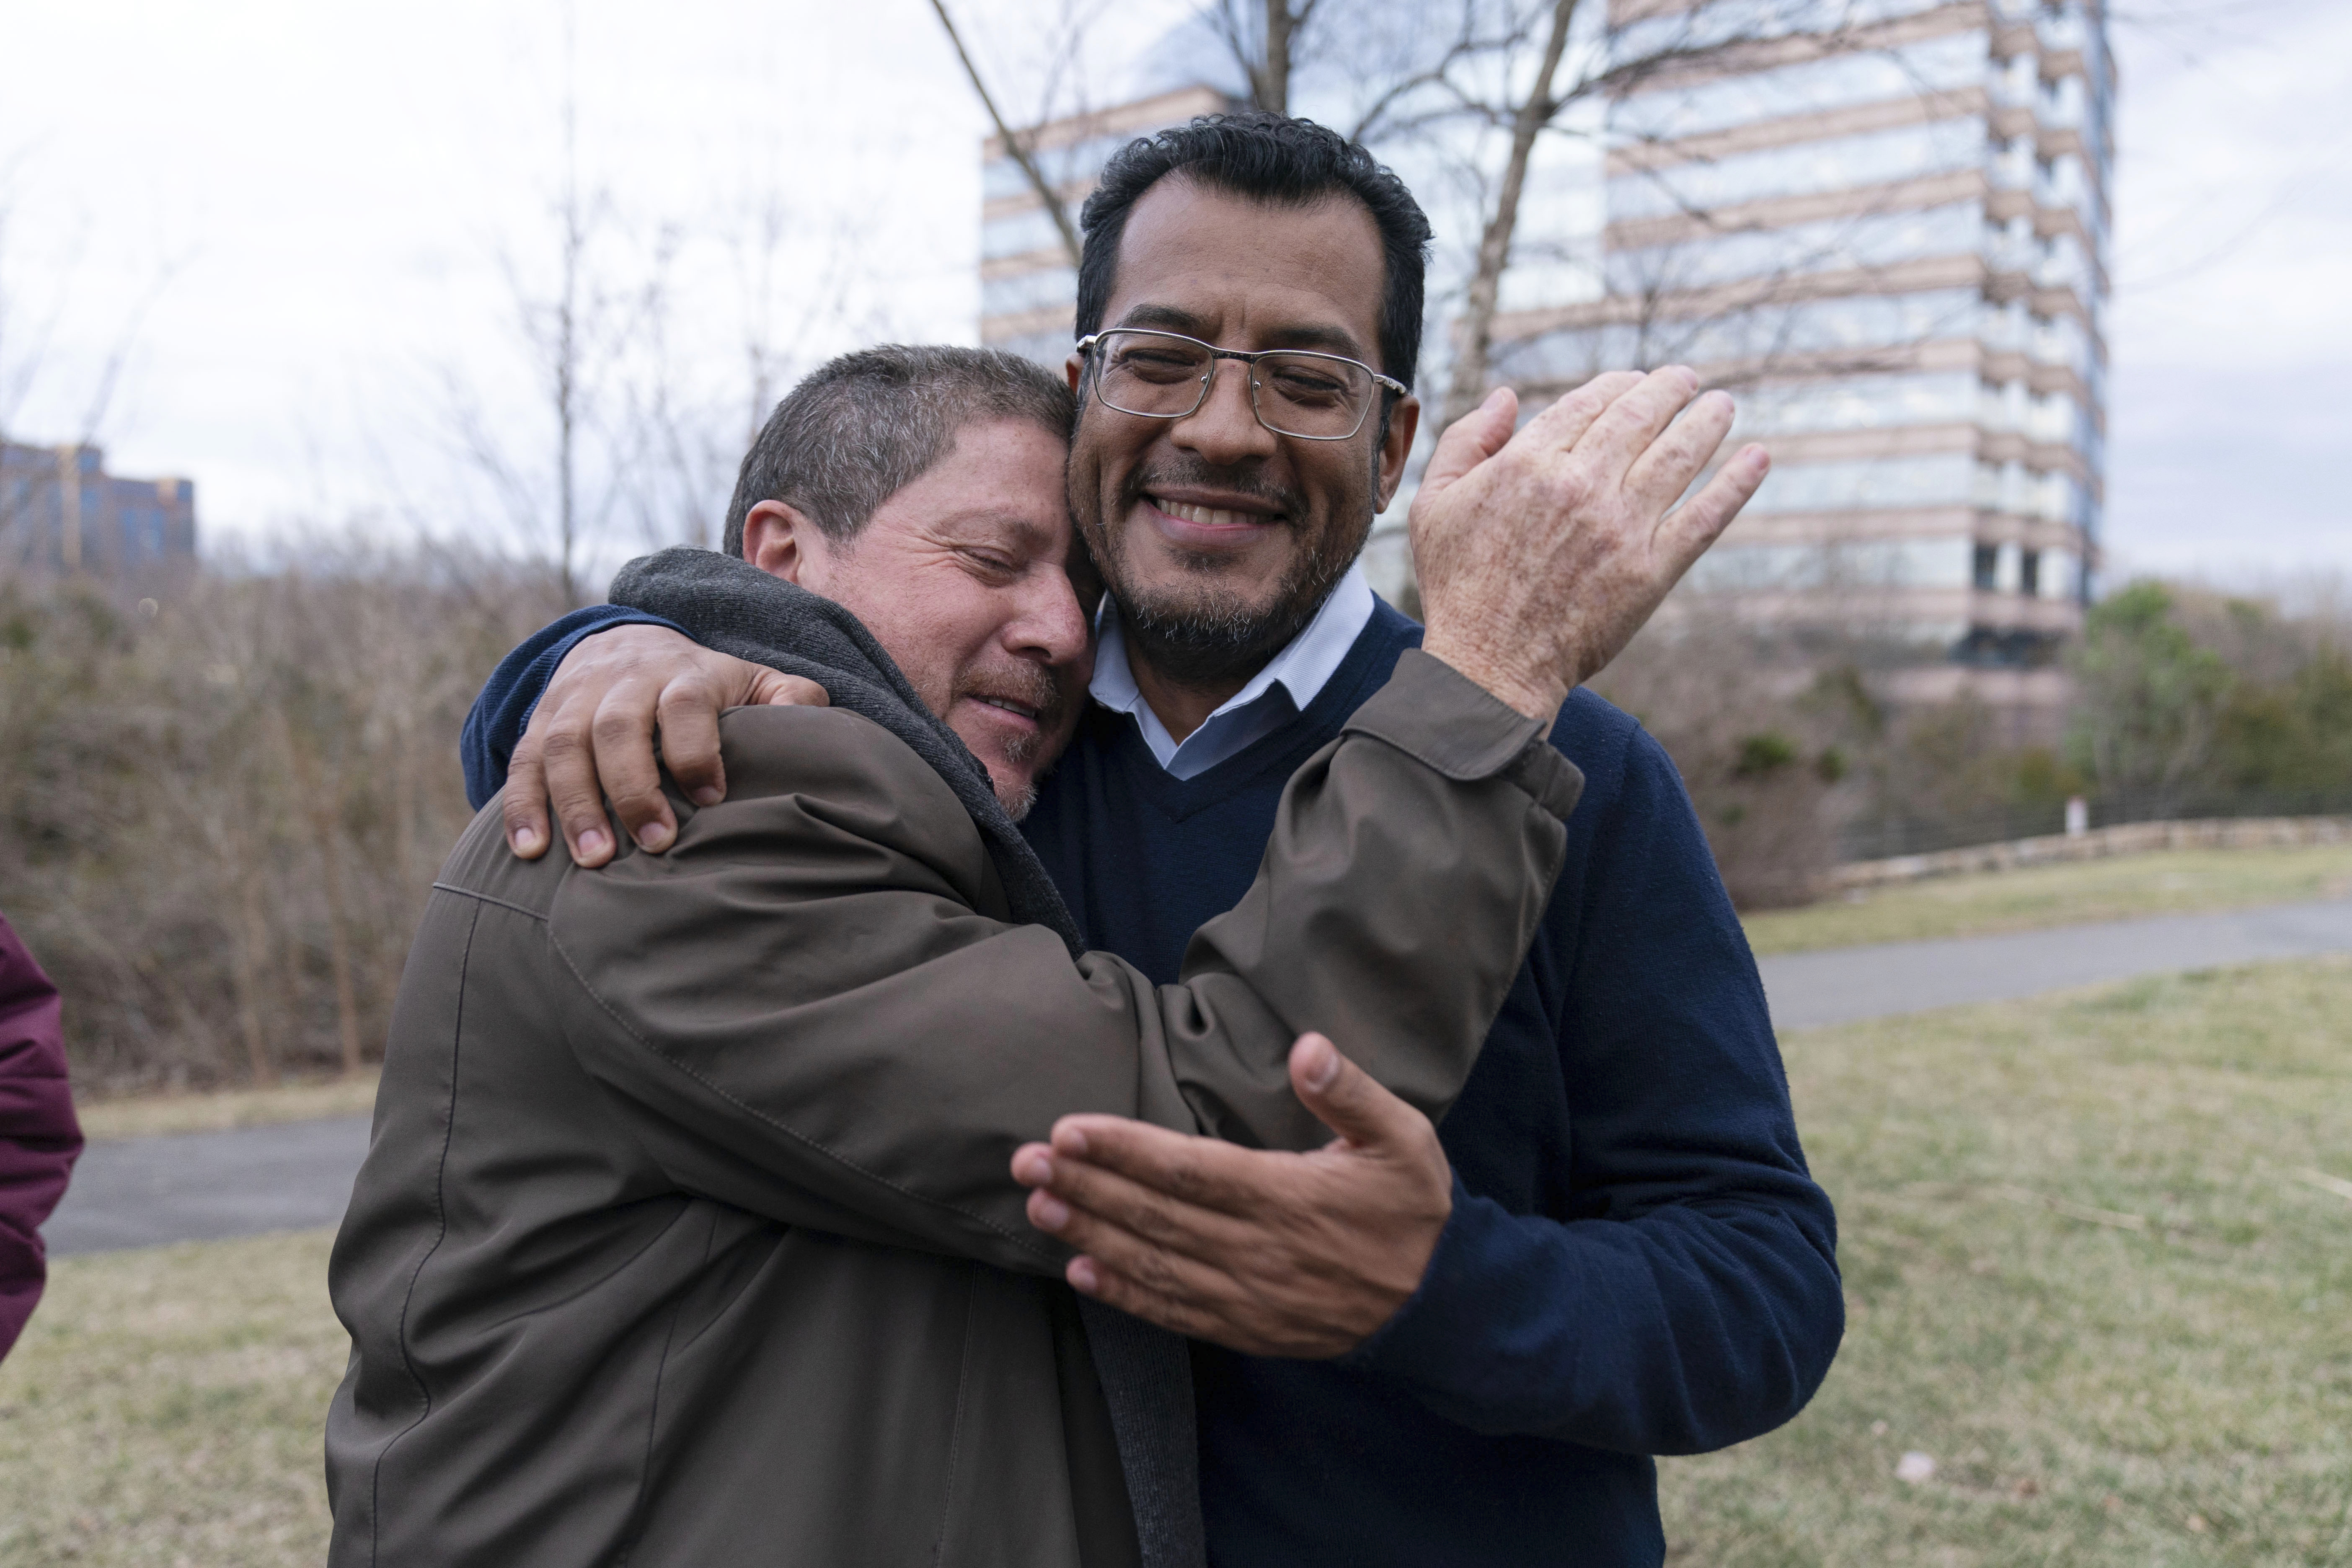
1890 237
1028 287
1884 224
61 512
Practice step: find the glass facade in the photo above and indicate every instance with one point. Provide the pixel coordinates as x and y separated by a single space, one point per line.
60 511
1886 228
1027 285
1891 243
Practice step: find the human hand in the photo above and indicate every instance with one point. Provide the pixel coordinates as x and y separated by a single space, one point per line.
1263 1252
593 736
1541 553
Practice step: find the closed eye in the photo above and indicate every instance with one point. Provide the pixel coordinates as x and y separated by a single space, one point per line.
992 565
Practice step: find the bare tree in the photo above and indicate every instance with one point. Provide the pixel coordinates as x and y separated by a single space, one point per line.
1265 39
572 330
28 361
640 395
1474 334
1021 146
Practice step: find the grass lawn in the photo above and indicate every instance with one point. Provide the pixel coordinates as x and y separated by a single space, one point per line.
143 1116
165 1407
2173 882
2098 1261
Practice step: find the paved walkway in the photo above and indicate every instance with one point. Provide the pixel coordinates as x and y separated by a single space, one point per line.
1844 985
202 1186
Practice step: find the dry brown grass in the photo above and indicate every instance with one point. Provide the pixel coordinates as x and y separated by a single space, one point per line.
2096 1260
2041 896
2096 1263
145 1115
167 1408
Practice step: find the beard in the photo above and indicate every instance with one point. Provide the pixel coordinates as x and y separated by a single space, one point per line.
1033 687
1205 634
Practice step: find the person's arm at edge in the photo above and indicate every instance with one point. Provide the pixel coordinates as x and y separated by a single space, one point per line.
43 1137
502 711
1694 1303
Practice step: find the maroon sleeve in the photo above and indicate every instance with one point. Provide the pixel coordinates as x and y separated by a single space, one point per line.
39 1135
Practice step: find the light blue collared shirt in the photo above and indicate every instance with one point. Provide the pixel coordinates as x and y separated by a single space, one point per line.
1275 695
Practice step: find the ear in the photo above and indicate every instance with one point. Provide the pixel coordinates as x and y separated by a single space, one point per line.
1075 367
784 541
1404 422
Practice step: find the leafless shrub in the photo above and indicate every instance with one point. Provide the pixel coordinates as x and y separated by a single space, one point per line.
219 815
1755 749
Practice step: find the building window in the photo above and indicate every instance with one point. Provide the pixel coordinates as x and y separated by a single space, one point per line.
2029 572
1986 567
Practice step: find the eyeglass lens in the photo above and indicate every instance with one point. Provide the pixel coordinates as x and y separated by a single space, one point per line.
1164 377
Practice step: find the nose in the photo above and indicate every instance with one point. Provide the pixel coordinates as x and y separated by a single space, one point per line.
1224 429
1051 627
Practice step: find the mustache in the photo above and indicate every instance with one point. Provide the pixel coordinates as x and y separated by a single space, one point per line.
1031 685
1249 480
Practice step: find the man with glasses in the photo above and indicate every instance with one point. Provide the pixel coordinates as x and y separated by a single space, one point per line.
1293 391
1633 1259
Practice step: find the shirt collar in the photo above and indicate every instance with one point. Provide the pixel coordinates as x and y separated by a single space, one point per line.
1301 671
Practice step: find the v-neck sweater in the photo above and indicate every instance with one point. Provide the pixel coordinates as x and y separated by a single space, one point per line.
1637 1262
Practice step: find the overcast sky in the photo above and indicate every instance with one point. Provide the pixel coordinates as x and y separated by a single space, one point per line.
303 210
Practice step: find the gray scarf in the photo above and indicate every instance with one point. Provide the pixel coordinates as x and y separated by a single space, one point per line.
734 608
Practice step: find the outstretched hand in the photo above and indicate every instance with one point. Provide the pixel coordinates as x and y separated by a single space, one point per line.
614 696
1539 554
1263 1252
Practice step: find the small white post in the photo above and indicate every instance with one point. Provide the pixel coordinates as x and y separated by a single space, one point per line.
2078 816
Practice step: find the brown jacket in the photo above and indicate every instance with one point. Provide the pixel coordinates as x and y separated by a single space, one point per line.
686 1235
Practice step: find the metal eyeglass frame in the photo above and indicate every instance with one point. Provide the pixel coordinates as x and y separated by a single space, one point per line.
1249 357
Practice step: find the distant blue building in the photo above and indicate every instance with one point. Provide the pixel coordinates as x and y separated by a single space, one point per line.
61 512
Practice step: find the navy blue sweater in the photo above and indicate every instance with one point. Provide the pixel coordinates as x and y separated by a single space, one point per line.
1637 1262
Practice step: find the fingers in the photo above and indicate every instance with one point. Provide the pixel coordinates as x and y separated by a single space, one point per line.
1564 423
1202 1170
1347 1100
1687 530
568 757
523 803
1660 474
1176 1293
1471 440
1081 1205
1626 428
688 713
776 690
621 764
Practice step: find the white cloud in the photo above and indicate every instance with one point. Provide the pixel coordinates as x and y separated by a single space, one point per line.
2231 329
335 182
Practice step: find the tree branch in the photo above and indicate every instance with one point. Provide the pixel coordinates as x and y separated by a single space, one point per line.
1013 147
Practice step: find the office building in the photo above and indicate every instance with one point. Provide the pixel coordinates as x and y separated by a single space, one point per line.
1887 232
1891 240
1028 285
61 512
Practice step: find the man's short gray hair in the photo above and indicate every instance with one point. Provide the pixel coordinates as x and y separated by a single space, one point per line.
863 427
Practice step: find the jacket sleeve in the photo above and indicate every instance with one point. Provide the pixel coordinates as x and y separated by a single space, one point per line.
39 1137
802 999
1689 1298
503 710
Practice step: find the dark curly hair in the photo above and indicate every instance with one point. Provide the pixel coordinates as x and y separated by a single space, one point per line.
1282 162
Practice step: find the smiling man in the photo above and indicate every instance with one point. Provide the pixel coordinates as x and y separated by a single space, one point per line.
1633 1259
687 1232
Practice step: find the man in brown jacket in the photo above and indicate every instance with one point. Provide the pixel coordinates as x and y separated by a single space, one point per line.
687 1235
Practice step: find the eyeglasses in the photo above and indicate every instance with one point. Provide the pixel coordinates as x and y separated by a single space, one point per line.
1293 391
